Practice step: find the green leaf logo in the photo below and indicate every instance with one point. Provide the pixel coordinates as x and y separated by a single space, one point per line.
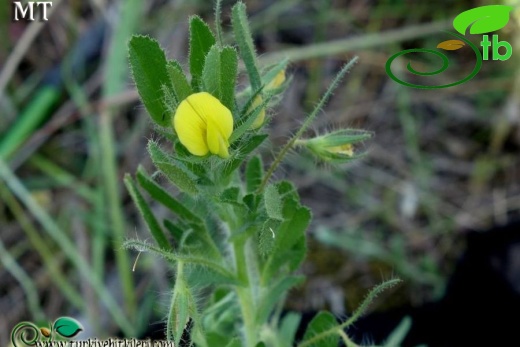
482 19
67 327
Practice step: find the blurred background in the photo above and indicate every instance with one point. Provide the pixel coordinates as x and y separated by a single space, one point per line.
440 175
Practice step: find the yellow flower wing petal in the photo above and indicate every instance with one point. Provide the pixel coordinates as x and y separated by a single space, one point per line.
216 142
190 128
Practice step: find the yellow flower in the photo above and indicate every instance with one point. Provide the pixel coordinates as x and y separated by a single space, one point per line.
203 125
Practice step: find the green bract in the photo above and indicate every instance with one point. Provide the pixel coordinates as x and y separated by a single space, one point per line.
229 229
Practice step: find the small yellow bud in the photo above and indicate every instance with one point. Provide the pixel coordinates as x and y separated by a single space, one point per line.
336 146
346 149
261 116
276 81
203 124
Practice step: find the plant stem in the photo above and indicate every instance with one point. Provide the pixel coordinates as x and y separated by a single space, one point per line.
245 295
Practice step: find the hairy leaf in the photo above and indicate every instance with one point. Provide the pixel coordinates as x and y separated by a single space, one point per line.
175 172
220 73
201 40
321 323
146 213
254 173
181 87
148 63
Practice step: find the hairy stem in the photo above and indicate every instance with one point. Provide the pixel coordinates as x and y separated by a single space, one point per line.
308 121
245 295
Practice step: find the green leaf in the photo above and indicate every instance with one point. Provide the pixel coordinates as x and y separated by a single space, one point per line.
146 213
289 326
163 197
251 200
201 40
174 230
267 236
179 309
482 19
245 43
274 294
250 145
398 335
273 202
234 343
245 123
208 260
273 71
148 63
289 242
230 195
67 327
254 173
322 322
181 87
174 171
216 339
220 73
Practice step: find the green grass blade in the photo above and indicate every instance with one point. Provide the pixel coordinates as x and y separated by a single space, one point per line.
29 120
67 246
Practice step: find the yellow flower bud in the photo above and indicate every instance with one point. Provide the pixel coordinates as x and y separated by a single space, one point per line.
346 149
276 81
203 125
336 146
261 116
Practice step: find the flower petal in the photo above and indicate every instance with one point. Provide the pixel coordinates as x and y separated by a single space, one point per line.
190 128
217 143
204 125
